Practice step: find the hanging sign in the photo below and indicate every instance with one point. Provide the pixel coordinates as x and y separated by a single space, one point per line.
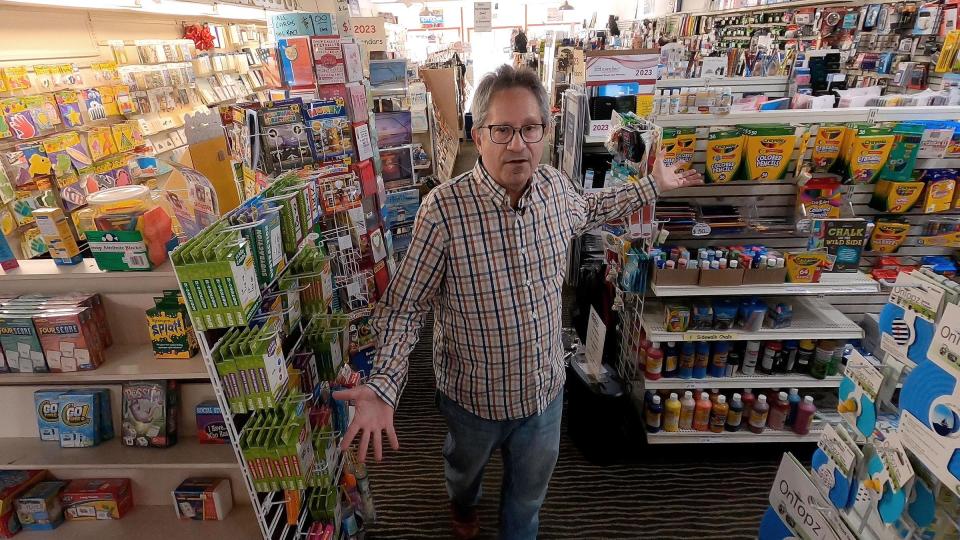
434 19
554 15
596 335
605 67
482 17
370 31
303 24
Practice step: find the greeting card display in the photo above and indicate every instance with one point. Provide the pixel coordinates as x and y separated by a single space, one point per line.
295 62
394 128
388 75
328 59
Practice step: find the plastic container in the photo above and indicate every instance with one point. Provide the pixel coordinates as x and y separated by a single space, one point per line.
794 399
749 366
654 364
126 210
805 413
701 360
671 414
788 357
734 414
771 356
779 410
748 400
718 360
701 415
718 416
687 407
805 354
671 360
822 358
734 359
654 415
758 415
686 360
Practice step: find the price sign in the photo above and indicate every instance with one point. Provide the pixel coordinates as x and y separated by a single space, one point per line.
708 336
700 229
303 24
370 31
482 17
599 128
344 26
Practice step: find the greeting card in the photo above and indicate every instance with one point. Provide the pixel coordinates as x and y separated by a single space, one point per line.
295 61
93 106
5 130
357 102
43 110
328 59
69 104
352 62
67 154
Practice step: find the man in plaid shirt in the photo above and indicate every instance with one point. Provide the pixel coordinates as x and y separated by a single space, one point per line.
488 255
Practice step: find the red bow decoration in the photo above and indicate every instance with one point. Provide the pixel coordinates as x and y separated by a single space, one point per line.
200 35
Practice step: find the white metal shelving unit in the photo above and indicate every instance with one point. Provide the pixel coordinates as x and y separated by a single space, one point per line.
742 436
852 283
154 472
790 380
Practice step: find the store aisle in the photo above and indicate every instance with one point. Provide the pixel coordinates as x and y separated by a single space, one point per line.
466 158
671 495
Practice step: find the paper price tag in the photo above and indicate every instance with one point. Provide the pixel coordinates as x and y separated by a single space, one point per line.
702 336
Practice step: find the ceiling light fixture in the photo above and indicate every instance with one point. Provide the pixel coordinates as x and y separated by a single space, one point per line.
565 6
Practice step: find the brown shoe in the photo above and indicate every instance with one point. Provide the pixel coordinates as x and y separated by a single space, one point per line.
466 523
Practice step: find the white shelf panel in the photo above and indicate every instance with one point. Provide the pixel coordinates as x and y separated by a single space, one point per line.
742 436
809 116
783 5
154 523
744 381
124 363
811 320
31 453
598 139
86 276
934 163
852 283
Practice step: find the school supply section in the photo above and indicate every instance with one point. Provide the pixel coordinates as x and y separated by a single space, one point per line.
890 468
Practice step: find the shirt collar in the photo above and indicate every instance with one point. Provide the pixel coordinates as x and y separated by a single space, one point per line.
497 192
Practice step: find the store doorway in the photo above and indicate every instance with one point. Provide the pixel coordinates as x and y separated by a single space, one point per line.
490 50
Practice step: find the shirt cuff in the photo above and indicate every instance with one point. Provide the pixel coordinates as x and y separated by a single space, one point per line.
649 189
385 388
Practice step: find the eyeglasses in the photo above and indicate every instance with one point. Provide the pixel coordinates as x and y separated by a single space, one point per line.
503 134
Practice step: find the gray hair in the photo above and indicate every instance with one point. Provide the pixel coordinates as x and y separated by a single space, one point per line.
504 78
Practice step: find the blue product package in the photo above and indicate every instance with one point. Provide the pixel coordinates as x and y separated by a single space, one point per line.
47 406
106 413
39 509
79 419
930 420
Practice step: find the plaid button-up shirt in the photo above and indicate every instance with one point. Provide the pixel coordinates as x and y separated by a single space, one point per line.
493 276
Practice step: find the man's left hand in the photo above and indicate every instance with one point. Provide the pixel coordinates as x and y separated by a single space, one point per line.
667 177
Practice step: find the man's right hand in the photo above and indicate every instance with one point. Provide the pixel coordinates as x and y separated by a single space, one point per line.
371 418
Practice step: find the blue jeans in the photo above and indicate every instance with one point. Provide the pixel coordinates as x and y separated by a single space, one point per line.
529 447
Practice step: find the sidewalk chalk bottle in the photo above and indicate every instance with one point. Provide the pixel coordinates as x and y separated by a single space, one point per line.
779 410
788 357
654 415
671 359
671 414
822 358
805 414
702 360
687 407
701 415
734 413
686 360
805 356
771 356
734 359
718 416
794 399
654 366
718 362
749 366
758 414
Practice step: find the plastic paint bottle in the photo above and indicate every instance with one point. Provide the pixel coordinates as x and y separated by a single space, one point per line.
718 362
702 360
654 415
779 410
821 359
734 414
671 360
701 415
805 413
788 357
687 359
718 416
671 414
758 415
836 361
750 354
794 399
805 356
748 400
714 394
642 355
654 362
687 408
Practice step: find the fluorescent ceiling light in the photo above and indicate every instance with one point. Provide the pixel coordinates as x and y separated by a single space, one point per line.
160 7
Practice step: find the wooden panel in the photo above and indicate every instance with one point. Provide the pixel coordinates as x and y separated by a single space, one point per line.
441 83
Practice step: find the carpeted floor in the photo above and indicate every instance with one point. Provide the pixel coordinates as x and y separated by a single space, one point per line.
702 491
697 491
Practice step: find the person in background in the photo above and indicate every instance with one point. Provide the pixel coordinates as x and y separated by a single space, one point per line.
520 41
488 257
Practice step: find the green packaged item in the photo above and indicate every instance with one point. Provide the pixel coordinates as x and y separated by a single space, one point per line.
724 155
903 154
168 324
